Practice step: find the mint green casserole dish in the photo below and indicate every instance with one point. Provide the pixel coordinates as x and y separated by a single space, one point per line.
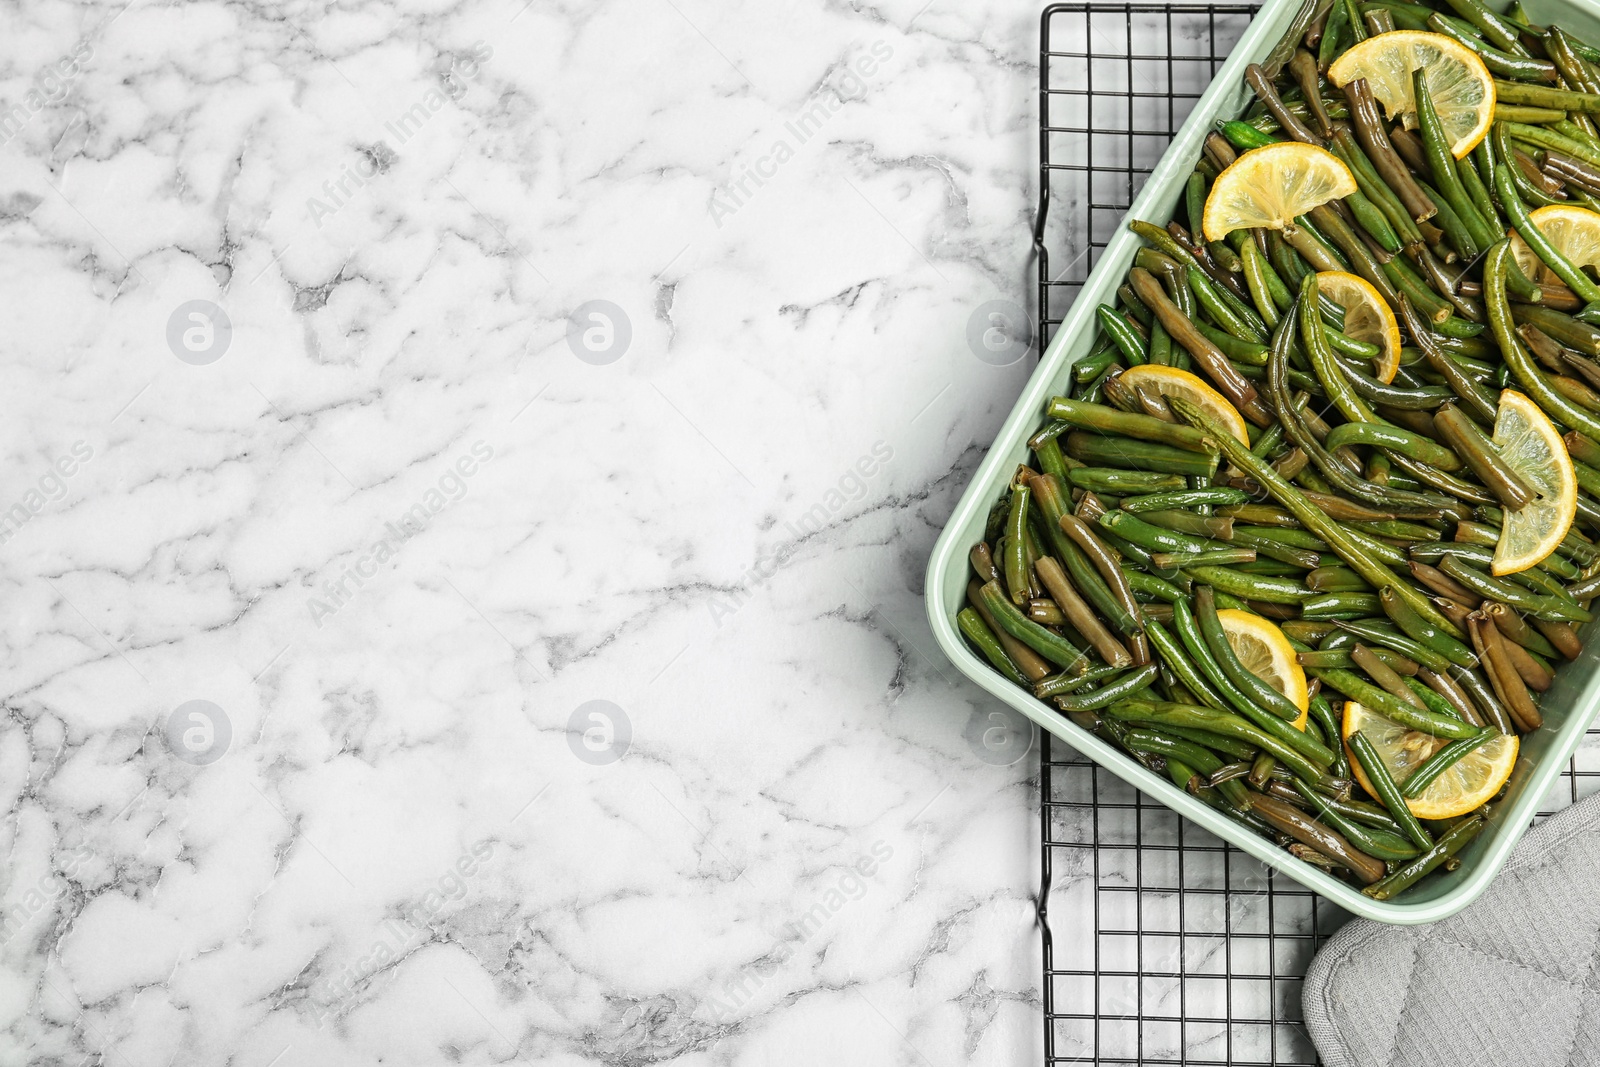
1568 706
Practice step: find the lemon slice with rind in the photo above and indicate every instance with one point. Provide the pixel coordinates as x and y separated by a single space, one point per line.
1367 317
1575 233
1460 85
1465 786
1266 653
1271 186
1530 443
1170 381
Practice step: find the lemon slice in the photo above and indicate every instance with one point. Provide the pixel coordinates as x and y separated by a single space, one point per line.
1367 317
1575 233
1468 785
1534 449
1271 185
1267 654
1170 381
1462 90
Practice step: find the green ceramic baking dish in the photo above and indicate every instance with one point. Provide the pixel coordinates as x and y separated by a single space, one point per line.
1568 706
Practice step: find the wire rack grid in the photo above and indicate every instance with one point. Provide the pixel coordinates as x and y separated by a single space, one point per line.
1161 944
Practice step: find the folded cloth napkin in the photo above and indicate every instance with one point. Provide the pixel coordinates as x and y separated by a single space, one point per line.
1512 979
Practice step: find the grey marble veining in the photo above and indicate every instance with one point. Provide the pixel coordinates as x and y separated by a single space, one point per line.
468 472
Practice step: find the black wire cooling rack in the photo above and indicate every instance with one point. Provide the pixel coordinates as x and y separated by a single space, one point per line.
1161 944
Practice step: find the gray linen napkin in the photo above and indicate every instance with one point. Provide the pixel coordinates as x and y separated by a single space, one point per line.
1512 979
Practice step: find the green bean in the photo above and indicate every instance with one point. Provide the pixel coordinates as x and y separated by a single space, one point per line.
1529 231
1123 609
983 638
1056 685
1218 557
1258 691
1047 643
1098 451
1424 630
1563 328
1371 183
1341 605
1435 700
1312 517
1186 498
1336 26
1388 792
1478 196
1542 605
1153 537
1374 842
1290 820
1388 395
1095 364
1517 357
1377 665
1441 761
1030 663
1226 724
1443 164
1018 579
1109 420
1233 316
1321 712
1131 345
1516 629
1448 845
1322 359
1483 457
1501 64
1172 653
1392 707
1263 588
1246 352
1360 257
1372 219
1502 673
1190 522
1228 746
1380 633
1114 480
1110 693
1483 695
1521 113
1228 381
1336 580
1543 96
1380 151
1079 614
1501 31
1393 438
1200 758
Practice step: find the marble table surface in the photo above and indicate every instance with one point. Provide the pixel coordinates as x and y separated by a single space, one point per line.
468 473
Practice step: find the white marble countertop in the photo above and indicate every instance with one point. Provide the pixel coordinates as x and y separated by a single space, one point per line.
399 380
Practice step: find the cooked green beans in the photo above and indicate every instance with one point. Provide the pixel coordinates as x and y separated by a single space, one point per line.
1350 526
1388 792
1405 877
